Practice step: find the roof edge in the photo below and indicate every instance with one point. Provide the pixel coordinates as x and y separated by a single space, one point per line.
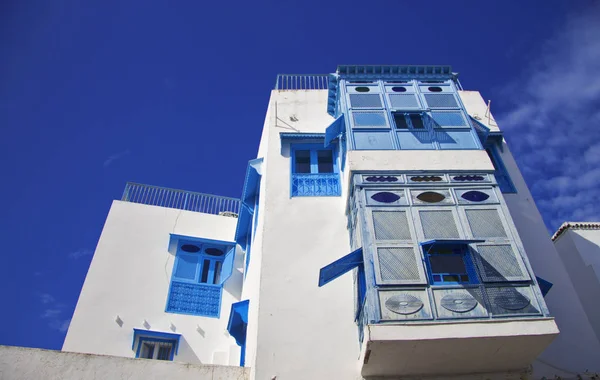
575 226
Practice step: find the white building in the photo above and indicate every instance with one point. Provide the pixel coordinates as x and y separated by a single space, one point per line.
578 245
392 173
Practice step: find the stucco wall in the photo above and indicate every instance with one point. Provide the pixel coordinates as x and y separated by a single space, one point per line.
302 331
580 254
18 363
129 276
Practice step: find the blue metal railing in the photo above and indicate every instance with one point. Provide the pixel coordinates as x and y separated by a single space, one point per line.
302 82
180 199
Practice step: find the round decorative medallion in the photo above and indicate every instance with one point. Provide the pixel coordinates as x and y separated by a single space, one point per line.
404 304
385 197
475 196
459 303
510 299
431 197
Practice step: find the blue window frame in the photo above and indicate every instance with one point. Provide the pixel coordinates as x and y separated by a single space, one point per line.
449 262
314 171
201 267
502 177
155 344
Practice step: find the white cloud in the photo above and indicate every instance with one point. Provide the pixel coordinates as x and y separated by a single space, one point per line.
46 298
60 325
80 253
115 157
51 313
553 126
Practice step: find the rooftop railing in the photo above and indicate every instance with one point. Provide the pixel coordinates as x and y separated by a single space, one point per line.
180 199
302 82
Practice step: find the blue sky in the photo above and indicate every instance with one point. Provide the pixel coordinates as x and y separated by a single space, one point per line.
94 94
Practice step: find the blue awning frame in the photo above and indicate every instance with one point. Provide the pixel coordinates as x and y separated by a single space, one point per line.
141 333
249 192
340 267
434 242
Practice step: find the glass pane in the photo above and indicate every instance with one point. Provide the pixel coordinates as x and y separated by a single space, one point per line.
447 264
416 121
400 121
147 350
164 352
325 161
218 265
205 268
302 161
451 278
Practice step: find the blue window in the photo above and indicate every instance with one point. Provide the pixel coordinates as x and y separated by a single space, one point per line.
200 269
449 262
155 344
502 177
314 171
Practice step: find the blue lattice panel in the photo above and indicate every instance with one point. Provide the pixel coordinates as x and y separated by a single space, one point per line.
315 185
195 299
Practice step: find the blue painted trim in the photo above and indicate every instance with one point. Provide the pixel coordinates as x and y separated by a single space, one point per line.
287 136
450 241
544 285
193 239
218 315
341 266
158 336
482 131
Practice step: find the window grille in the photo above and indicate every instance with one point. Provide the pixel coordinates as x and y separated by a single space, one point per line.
391 225
441 101
369 119
402 101
500 263
485 223
438 224
365 101
398 265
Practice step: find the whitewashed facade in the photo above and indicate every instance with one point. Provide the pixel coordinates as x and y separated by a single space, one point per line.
384 230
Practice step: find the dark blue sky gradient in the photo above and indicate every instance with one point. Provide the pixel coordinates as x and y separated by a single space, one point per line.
94 94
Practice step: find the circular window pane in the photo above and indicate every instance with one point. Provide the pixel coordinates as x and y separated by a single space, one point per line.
431 197
362 89
475 196
399 89
435 89
190 248
385 197
213 252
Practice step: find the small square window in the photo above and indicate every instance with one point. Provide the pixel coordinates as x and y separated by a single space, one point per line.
302 161
156 349
449 265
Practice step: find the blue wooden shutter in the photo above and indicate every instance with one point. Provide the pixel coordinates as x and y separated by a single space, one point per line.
186 268
227 267
334 130
341 266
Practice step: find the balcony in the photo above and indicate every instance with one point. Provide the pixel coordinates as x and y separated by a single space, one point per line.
459 331
180 199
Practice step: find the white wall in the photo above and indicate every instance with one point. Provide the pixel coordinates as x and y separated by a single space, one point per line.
129 276
18 363
301 331
580 254
576 348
